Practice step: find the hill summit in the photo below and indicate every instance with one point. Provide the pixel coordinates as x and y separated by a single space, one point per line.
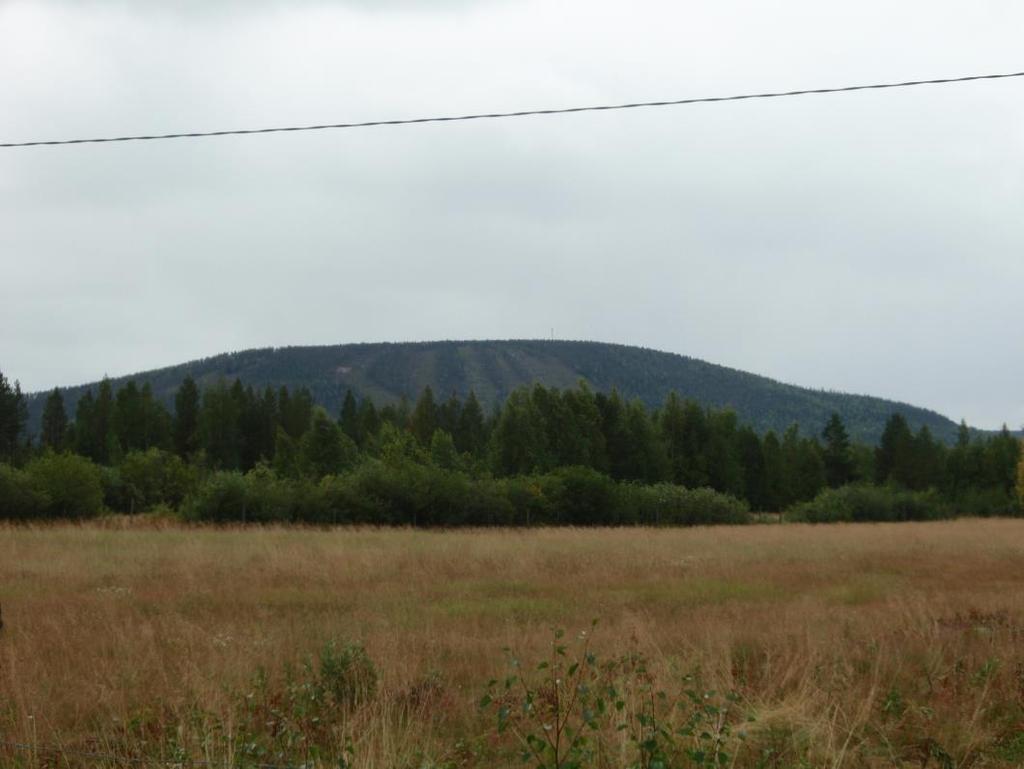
387 372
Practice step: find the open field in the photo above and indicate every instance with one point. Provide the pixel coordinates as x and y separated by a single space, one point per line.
848 646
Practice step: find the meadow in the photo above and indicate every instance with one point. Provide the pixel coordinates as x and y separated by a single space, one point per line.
862 645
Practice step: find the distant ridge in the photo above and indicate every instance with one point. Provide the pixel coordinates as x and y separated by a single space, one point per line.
388 371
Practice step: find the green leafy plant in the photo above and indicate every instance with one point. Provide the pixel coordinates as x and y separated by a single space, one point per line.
574 711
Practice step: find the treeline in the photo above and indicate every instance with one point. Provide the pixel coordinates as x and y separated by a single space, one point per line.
230 452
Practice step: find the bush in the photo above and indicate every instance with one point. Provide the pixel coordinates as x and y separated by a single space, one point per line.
406 493
259 496
528 500
402 492
862 502
222 497
347 673
154 477
987 503
582 497
19 497
666 504
72 485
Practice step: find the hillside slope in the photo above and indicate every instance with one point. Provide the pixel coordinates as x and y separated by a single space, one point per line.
492 369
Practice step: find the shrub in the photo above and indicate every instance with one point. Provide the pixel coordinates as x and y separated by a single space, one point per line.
863 502
115 496
574 709
528 499
259 496
72 485
342 502
990 502
666 504
222 497
582 497
19 497
347 673
154 477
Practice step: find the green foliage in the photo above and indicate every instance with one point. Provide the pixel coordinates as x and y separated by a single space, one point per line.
280 721
346 673
185 426
139 421
574 710
986 502
349 419
443 453
54 430
20 496
259 496
665 504
72 485
13 417
1020 483
560 457
837 455
582 497
861 502
222 497
324 449
424 417
154 477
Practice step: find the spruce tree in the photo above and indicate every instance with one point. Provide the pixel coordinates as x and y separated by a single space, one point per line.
13 417
84 426
349 418
751 456
773 487
219 433
156 421
186 418
368 421
424 417
470 435
128 425
725 470
893 457
672 426
519 439
104 440
53 433
837 455
324 449
448 415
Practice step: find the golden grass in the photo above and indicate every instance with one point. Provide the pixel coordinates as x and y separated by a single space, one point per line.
850 646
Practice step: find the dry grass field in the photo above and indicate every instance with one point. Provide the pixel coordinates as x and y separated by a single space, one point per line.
831 646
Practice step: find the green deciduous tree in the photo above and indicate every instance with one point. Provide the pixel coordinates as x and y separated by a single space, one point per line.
72 485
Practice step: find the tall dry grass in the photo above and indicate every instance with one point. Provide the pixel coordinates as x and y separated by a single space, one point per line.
848 646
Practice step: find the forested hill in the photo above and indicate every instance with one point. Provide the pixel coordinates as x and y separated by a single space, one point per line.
385 372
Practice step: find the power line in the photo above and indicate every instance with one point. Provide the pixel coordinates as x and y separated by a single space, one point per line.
522 113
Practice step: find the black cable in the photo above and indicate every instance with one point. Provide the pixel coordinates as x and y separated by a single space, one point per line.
523 113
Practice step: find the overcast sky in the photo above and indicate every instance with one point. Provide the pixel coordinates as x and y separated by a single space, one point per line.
869 242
